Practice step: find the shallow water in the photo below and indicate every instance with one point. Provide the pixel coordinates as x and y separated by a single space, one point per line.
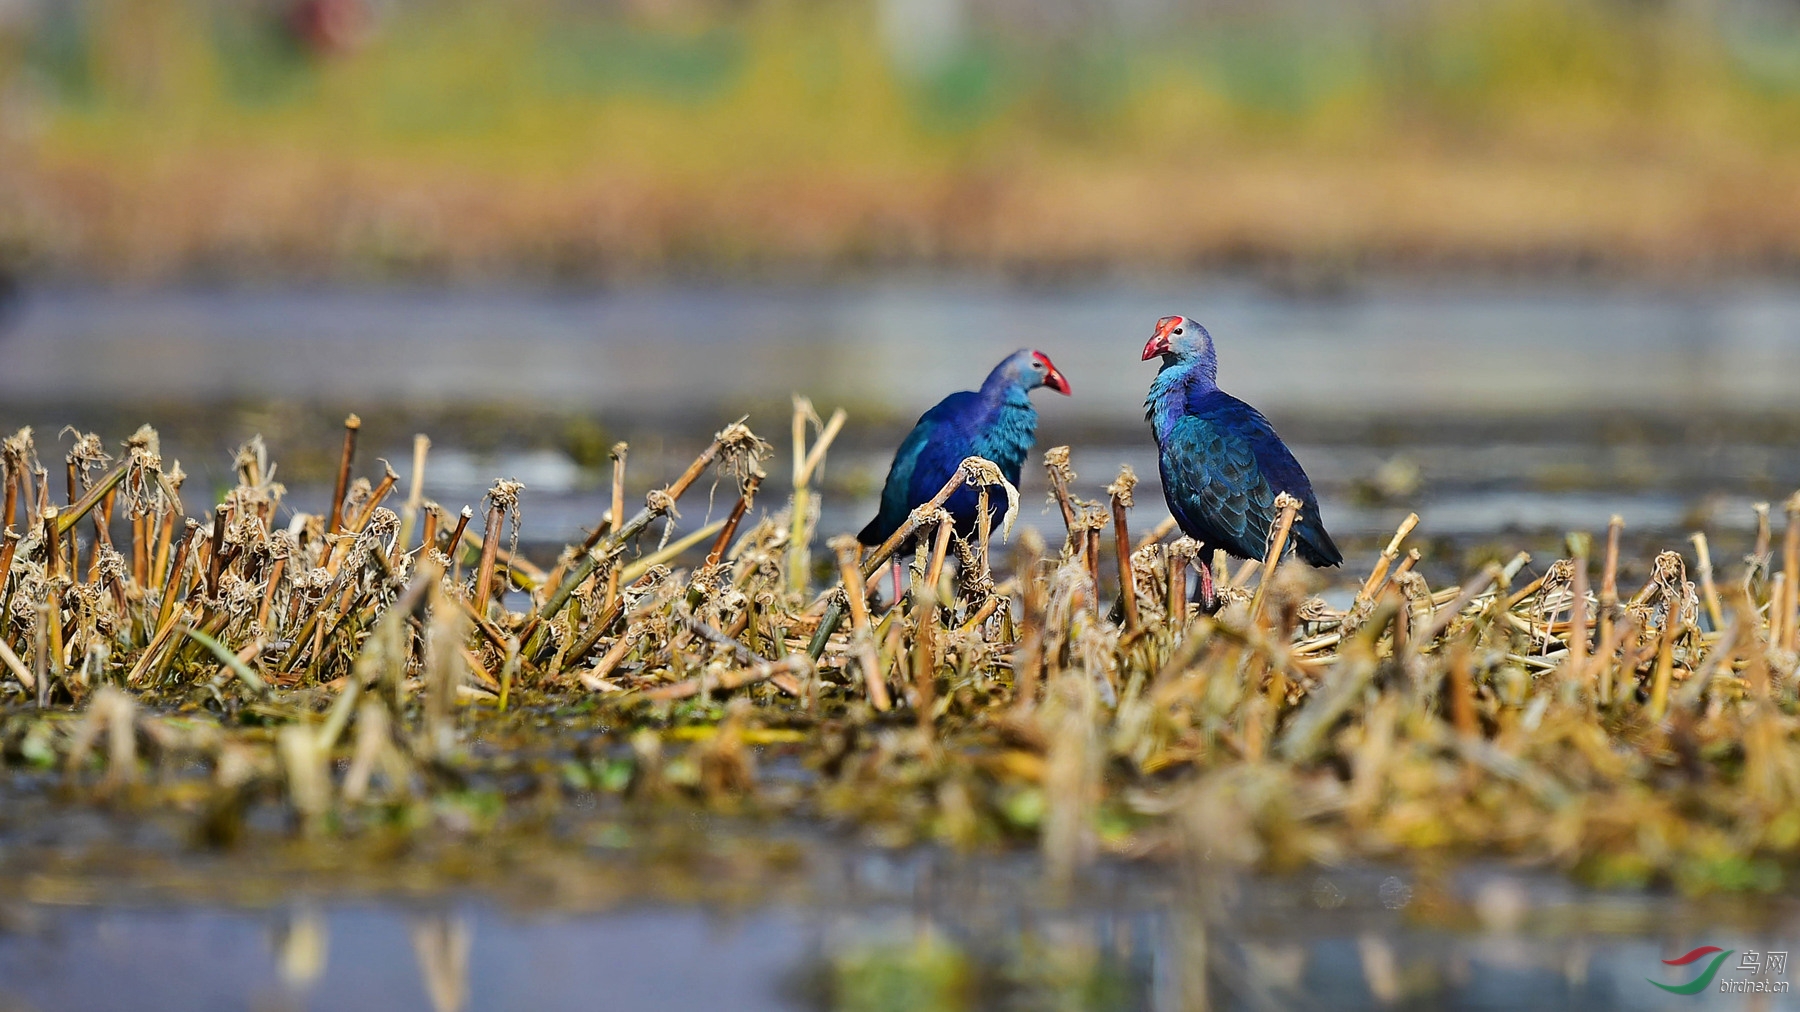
909 930
1393 348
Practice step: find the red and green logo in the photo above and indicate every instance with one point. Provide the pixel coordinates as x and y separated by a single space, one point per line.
1698 984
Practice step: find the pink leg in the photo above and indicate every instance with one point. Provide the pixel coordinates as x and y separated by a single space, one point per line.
1208 600
894 568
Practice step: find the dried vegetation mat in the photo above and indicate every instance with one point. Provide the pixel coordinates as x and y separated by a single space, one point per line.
386 669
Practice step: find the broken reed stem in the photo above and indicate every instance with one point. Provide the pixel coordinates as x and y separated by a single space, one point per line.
861 632
729 531
1056 466
214 561
456 536
415 495
1178 573
1163 529
1462 689
924 660
172 587
1278 538
352 425
793 664
428 536
1379 575
11 493
51 545
1091 556
1665 664
490 544
1028 654
1579 547
1121 492
806 462
617 517
1609 607
1790 564
984 532
940 548
1709 589
164 542
657 503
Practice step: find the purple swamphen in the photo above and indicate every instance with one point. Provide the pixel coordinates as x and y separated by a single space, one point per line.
996 422
1222 463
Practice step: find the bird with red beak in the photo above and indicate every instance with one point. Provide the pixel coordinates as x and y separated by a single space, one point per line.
997 422
1222 464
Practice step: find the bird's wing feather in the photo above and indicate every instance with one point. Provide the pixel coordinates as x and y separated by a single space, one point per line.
1227 464
917 459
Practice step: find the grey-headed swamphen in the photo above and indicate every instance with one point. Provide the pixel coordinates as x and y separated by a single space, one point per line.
1222 463
997 422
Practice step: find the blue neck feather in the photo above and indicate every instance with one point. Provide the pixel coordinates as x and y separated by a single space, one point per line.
1179 380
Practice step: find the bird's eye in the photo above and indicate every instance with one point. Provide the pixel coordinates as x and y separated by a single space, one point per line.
1177 331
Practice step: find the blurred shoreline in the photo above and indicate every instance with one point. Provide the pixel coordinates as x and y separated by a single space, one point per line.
219 141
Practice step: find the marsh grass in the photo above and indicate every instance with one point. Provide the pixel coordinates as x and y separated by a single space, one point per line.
363 672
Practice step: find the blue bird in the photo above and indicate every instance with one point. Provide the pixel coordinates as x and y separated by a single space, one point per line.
997 422
1222 464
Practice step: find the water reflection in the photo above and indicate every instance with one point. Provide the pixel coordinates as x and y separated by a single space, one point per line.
442 943
895 933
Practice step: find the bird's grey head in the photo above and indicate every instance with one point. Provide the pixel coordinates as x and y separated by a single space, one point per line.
1028 370
1179 339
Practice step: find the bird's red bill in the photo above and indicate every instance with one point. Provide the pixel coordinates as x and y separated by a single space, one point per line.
1053 377
1159 341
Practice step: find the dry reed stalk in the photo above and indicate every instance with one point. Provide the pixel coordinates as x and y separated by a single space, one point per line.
1710 589
352 425
1091 556
415 495
164 542
490 544
1772 611
172 586
862 634
1379 575
1790 564
1579 546
940 549
747 449
1028 654
1163 528
216 549
53 552
1121 493
729 531
276 570
1056 466
451 548
924 658
616 517
9 546
17 667
428 535
10 492
1289 510
1462 690
1181 553
1665 665
794 664
806 462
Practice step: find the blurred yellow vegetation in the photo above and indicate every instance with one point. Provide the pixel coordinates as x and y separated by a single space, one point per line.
160 138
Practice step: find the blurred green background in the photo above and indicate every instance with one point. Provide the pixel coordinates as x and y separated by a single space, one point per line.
376 139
